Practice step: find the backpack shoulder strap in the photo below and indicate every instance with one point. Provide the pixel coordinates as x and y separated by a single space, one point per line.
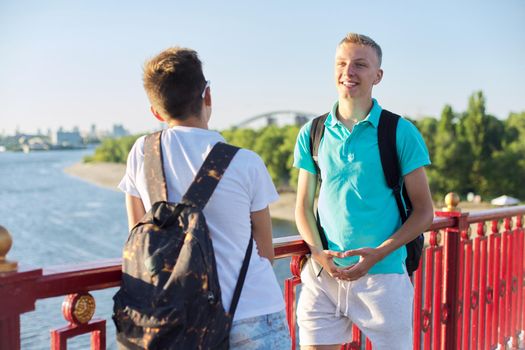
316 134
209 174
155 179
242 276
200 191
386 139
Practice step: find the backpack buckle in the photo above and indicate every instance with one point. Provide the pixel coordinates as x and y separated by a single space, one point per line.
211 297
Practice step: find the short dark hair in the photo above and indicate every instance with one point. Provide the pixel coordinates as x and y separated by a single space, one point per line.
174 82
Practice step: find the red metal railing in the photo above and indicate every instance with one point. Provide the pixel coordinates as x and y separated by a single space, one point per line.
469 291
462 285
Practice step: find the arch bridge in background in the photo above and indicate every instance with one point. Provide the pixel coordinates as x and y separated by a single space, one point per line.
283 117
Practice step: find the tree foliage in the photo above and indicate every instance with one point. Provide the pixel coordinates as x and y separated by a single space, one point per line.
477 152
113 150
470 151
275 145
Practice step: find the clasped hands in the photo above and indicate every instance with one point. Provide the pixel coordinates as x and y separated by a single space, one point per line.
368 258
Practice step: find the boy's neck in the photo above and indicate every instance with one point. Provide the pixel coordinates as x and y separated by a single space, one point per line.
353 111
191 122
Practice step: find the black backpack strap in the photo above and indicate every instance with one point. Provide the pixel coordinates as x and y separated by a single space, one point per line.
155 179
316 134
386 138
209 175
200 191
242 277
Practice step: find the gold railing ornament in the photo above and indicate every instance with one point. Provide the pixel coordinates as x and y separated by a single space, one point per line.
452 201
78 308
5 245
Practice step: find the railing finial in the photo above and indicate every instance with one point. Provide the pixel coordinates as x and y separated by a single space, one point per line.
452 201
5 245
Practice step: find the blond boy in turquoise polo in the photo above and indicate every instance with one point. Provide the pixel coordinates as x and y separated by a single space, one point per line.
361 278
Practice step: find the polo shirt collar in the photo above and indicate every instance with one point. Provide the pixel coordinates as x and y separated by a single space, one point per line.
372 117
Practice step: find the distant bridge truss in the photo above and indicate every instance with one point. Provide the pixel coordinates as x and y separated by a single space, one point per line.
279 118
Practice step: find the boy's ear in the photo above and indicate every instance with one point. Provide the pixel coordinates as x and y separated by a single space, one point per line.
379 77
207 97
156 114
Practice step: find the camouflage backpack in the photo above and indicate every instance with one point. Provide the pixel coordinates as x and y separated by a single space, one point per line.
170 296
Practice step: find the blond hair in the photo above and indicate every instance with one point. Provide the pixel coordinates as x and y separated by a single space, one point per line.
360 39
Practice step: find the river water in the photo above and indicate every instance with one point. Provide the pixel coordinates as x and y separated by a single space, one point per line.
56 219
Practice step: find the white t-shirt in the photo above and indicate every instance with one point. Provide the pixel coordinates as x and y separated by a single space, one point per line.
244 188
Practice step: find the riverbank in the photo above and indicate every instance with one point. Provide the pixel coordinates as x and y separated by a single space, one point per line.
108 175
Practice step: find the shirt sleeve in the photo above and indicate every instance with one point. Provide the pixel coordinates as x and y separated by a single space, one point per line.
302 156
135 158
411 147
263 191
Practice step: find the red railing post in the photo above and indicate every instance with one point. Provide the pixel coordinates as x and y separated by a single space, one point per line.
467 313
497 283
515 308
290 284
418 302
438 297
17 296
521 276
506 293
426 321
480 287
451 275
518 307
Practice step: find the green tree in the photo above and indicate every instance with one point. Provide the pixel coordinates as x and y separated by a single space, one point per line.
427 126
508 170
288 146
244 138
514 128
483 133
267 145
113 150
451 160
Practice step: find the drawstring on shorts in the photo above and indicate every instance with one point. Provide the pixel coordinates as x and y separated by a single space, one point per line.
340 284
338 307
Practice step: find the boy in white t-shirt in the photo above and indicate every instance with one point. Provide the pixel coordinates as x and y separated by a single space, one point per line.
180 96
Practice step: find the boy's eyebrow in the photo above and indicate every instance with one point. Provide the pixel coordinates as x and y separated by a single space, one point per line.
340 58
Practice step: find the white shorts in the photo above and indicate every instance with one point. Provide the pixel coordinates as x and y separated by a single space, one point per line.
380 305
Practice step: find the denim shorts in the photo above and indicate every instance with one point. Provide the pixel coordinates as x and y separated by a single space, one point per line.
261 333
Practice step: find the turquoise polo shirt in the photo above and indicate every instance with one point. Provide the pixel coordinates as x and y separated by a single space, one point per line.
356 207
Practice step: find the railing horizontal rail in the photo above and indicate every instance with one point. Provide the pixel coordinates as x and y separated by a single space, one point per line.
74 278
288 246
495 214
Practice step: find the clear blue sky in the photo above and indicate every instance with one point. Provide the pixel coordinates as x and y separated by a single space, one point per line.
75 63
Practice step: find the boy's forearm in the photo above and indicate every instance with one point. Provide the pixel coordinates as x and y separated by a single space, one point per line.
417 222
307 227
262 233
304 211
421 217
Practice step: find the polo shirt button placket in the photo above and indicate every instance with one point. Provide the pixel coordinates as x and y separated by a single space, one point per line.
348 150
